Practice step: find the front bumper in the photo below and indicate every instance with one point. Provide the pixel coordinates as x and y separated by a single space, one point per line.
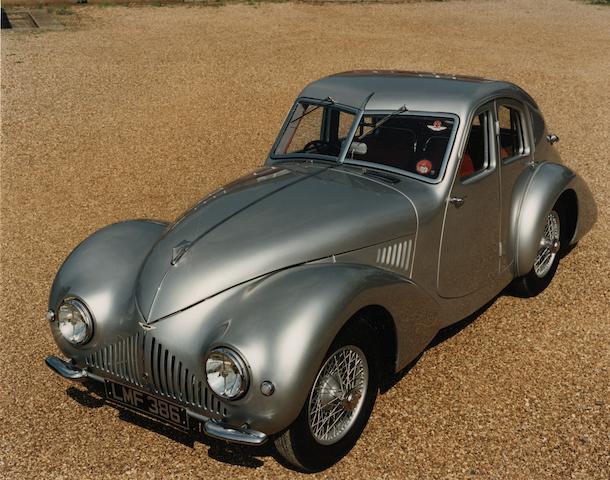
213 428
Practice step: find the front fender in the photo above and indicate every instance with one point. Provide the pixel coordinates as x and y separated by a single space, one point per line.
102 271
534 195
284 324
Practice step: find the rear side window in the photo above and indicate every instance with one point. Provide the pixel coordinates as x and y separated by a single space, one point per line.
511 132
476 154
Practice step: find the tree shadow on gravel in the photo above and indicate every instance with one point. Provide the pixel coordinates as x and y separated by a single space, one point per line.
92 396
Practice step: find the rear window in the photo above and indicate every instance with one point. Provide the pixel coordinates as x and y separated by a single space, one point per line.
511 132
416 144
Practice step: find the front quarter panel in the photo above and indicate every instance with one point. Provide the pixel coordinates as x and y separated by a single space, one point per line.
284 323
102 271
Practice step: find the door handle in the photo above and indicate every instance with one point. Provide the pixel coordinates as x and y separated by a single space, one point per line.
457 201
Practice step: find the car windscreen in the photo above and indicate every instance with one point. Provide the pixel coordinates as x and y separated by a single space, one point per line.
413 143
316 130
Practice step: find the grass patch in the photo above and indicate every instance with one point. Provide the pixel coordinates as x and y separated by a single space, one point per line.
599 2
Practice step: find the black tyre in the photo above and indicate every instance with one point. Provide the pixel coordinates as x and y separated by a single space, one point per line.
339 403
547 258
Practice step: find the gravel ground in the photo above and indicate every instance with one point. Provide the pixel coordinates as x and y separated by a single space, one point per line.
137 112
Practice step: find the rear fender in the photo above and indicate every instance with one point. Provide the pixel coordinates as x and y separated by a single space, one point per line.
534 195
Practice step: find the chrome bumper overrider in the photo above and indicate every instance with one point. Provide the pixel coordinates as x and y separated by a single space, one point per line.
213 428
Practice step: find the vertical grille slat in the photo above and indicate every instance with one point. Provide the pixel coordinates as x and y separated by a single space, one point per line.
154 369
135 358
129 357
165 377
109 361
125 361
105 361
204 395
126 356
120 361
172 377
112 357
193 381
186 396
179 381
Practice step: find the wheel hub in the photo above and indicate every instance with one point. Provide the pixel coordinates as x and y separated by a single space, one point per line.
330 390
338 395
549 245
350 401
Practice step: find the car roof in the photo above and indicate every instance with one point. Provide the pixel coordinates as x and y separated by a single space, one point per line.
419 91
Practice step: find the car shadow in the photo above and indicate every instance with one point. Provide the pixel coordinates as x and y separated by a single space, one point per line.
442 336
91 395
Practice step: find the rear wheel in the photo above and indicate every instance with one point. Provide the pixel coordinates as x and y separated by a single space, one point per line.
546 261
339 403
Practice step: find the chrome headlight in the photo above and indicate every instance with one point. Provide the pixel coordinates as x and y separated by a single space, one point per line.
75 321
226 373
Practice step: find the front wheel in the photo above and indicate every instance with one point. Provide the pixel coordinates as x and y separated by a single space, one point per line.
546 261
339 403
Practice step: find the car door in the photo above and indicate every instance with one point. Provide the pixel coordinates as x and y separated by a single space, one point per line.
513 138
469 256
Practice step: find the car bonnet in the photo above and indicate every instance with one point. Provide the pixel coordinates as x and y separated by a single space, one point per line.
267 221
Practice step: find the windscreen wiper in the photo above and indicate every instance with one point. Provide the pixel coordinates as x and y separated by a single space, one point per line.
382 121
328 100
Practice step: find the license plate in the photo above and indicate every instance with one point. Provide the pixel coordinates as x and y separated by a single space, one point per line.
143 402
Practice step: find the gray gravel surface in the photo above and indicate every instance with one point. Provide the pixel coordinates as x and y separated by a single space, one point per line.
137 112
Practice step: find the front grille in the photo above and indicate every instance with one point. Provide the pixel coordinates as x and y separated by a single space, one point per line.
173 380
119 359
168 375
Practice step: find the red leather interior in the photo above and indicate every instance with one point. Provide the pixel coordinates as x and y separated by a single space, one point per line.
467 167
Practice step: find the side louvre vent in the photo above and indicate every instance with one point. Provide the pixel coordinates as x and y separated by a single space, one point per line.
397 255
119 359
171 379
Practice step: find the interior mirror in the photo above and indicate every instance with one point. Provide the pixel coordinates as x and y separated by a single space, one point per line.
359 148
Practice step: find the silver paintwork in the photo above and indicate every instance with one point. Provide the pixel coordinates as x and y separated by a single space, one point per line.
274 264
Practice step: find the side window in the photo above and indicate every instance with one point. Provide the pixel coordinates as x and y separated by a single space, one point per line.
511 132
345 122
476 154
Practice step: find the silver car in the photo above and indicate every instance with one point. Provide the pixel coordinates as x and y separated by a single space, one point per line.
391 205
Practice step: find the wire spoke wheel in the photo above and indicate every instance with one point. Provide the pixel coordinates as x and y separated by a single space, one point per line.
549 245
338 395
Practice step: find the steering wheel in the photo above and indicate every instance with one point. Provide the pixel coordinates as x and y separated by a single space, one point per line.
316 144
